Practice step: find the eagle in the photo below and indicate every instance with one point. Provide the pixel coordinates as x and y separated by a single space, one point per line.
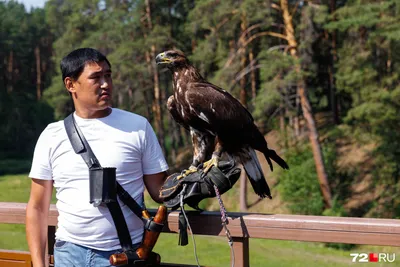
217 121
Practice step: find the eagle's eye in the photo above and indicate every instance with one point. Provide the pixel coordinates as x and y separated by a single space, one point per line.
173 55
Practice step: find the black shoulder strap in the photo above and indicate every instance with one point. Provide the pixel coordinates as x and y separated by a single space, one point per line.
82 147
79 143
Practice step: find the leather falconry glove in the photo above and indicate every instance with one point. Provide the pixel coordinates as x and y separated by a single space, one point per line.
200 185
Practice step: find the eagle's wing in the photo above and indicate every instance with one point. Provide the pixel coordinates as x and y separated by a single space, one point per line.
173 110
216 107
202 142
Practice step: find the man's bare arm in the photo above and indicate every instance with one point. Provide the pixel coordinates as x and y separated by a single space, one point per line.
37 212
153 184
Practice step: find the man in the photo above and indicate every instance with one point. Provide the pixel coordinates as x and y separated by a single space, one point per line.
86 235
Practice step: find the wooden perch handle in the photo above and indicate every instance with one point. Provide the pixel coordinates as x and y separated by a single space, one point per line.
149 239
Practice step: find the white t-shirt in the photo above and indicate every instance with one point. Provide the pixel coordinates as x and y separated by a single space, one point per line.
123 140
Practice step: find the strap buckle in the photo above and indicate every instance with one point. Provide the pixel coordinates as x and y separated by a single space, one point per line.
151 225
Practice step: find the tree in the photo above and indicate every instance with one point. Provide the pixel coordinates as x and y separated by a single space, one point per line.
306 106
227 52
368 74
22 115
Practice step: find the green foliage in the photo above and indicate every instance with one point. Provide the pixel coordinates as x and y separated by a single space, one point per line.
299 186
350 56
366 72
22 115
277 83
13 166
23 120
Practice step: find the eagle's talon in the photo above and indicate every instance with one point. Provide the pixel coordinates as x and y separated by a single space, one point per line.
209 164
184 173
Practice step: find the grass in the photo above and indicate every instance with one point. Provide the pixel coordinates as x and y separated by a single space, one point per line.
211 251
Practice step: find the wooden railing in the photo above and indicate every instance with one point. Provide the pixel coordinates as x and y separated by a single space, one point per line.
242 227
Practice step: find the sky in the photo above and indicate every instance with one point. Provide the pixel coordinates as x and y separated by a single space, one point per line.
32 3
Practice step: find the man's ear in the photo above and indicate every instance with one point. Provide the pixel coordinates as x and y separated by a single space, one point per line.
69 84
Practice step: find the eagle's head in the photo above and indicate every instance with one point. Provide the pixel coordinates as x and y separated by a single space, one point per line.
172 59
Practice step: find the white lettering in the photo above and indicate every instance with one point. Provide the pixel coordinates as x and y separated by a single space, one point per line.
355 256
363 257
391 260
373 257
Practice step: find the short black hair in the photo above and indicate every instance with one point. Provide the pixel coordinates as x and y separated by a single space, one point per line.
72 65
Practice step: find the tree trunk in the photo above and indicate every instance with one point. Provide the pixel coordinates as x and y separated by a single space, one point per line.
243 100
296 118
389 61
253 79
157 95
243 93
282 117
243 191
306 108
174 141
131 105
38 74
157 101
10 68
148 103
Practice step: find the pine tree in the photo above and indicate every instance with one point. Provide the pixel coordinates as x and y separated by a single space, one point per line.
368 73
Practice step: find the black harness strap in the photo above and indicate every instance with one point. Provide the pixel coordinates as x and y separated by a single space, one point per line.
82 147
149 224
79 143
120 224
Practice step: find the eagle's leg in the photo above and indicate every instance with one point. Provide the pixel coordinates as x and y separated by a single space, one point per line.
216 156
185 173
202 146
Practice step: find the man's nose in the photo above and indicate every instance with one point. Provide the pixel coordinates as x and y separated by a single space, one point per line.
103 83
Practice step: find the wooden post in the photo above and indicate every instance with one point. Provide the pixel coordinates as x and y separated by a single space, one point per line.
51 239
241 250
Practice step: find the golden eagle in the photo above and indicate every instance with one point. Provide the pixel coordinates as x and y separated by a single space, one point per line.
217 121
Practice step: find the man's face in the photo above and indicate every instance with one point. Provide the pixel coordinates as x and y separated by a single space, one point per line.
93 89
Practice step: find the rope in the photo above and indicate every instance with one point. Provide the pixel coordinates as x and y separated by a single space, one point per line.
181 194
224 221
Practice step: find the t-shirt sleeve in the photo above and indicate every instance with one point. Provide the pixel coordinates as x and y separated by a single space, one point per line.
41 167
153 160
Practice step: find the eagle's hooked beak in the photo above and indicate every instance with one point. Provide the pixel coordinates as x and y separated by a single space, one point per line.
162 59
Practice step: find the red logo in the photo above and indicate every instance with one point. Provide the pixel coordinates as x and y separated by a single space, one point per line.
373 257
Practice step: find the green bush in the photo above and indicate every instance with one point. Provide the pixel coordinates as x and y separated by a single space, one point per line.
14 166
299 186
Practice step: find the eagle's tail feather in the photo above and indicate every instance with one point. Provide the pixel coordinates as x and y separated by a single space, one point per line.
255 174
271 154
